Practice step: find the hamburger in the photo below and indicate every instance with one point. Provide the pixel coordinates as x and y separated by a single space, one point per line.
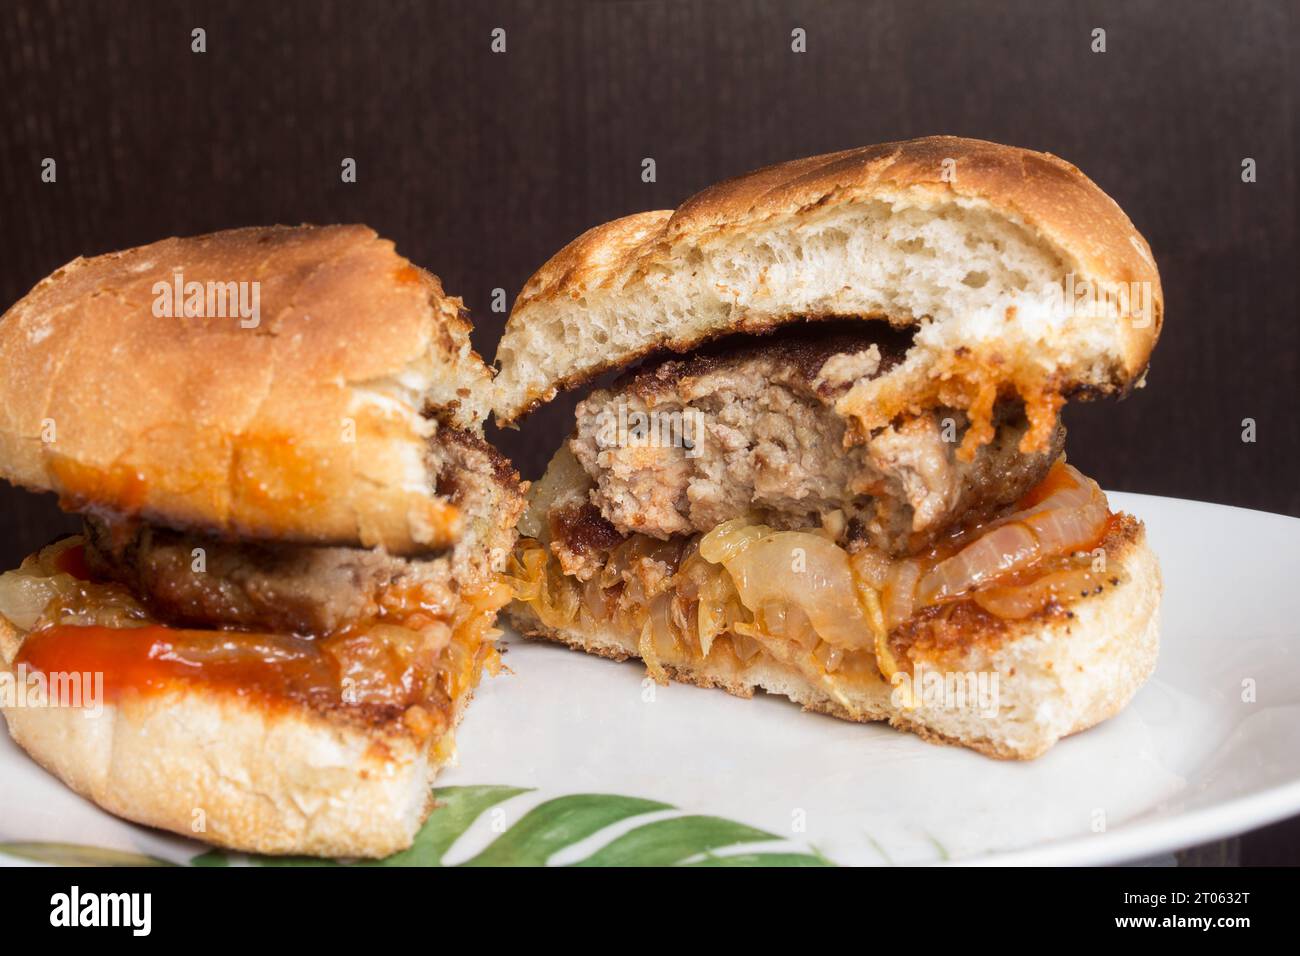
830 464
286 584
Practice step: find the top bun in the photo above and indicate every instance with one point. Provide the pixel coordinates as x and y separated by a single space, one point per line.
1000 252
298 420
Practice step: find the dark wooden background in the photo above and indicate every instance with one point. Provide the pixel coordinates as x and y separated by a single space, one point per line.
480 165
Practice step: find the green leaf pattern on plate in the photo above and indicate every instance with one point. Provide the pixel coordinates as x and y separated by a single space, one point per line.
75 854
533 840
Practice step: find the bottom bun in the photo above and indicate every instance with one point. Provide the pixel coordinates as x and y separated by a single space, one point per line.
243 759
237 770
1057 672
231 770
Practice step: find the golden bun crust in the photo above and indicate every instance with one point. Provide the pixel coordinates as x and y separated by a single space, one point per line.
302 424
235 770
1057 673
561 333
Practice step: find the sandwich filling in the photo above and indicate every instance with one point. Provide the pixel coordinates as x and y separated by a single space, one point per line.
745 593
343 630
777 530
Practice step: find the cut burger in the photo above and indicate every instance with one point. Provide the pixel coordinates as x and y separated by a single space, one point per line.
286 588
832 465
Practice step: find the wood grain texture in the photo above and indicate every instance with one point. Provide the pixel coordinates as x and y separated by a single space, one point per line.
481 165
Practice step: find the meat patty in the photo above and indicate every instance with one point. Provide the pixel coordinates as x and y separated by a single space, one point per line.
748 428
197 580
194 579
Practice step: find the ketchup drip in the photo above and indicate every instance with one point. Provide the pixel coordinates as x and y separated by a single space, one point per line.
154 657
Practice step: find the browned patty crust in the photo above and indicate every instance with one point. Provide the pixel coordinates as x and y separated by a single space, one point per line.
771 446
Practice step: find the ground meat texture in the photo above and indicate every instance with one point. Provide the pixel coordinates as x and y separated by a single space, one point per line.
761 439
926 488
192 579
482 483
199 581
582 539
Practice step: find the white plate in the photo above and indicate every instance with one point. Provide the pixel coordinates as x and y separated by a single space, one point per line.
1209 748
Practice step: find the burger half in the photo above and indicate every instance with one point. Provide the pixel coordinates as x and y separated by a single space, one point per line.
831 465
284 593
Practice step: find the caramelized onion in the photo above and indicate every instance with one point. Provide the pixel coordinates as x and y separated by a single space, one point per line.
745 647
1003 549
799 598
1019 601
24 597
1071 517
553 596
39 592
796 569
829 657
899 595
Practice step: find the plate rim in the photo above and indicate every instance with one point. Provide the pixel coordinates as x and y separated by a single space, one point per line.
1138 840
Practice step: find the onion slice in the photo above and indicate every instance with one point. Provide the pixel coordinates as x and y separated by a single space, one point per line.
793 568
1070 518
